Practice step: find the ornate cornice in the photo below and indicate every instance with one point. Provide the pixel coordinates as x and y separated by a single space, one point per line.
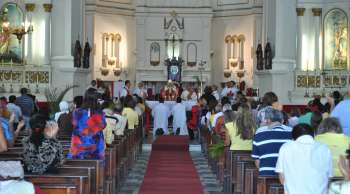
47 7
30 7
317 11
300 11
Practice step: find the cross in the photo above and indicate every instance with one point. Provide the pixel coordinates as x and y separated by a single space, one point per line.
173 41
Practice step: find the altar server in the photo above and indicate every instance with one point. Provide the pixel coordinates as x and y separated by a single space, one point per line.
126 89
179 118
160 115
230 91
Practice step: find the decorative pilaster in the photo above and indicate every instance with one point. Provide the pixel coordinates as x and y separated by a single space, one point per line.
317 12
300 14
30 8
48 8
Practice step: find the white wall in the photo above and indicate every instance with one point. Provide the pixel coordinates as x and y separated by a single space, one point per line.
125 26
233 25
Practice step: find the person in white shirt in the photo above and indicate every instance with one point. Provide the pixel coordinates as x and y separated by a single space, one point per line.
14 109
93 85
230 91
160 115
11 179
179 118
126 89
304 165
215 92
189 94
140 91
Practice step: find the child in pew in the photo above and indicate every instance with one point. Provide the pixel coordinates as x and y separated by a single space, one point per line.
41 151
89 122
11 179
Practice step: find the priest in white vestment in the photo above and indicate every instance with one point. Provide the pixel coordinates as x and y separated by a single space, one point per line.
160 114
179 117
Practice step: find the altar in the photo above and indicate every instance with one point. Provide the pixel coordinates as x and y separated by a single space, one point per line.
170 104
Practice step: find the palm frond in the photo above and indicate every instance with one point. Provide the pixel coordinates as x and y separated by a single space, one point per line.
217 150
54 97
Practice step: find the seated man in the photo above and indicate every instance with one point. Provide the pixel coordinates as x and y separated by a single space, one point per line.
11 179
268 140
304 165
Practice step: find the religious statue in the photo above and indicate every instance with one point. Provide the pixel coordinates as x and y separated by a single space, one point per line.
259 58
170 91
268 56
86 58
77 54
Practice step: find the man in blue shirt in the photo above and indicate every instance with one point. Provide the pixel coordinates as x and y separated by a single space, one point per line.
342 112
26 104
268 140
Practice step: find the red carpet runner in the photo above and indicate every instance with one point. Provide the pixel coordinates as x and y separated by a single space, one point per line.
170 168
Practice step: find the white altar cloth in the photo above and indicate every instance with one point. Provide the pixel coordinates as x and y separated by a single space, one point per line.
170 104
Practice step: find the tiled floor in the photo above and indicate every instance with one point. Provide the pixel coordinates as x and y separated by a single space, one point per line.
135 177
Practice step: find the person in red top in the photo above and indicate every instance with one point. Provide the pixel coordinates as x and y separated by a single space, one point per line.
193 122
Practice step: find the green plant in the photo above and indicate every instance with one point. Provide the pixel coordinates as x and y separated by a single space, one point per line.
54 97
217 149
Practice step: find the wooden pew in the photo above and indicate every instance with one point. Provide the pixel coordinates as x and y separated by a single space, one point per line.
59 188
269 185
96 175
77 179
251 174
235 165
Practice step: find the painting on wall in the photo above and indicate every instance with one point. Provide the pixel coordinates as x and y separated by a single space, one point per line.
335 40
10 47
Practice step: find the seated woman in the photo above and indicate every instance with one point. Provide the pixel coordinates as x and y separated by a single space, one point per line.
130 113
342 187
330 133
11 179
241 130
41 151
64 118
88 122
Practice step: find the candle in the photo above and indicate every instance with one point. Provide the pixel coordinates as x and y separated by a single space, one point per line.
37 78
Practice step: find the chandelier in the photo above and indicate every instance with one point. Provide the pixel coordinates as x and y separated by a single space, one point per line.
18 31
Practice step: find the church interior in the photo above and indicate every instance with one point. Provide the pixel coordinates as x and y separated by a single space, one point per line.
170 52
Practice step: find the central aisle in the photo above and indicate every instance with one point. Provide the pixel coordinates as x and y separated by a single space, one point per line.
170 169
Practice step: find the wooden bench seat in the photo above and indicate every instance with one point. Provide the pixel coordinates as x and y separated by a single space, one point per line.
268 184
77 178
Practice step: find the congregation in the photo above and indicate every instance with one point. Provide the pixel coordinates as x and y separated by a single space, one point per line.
304 146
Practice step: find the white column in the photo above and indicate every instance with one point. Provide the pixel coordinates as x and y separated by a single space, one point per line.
300 14
317 18
47 18
62 30
30 7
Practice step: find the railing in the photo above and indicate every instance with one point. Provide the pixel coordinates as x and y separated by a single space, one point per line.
322 80
13 77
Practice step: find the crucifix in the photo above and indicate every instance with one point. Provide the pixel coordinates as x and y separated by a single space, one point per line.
173 40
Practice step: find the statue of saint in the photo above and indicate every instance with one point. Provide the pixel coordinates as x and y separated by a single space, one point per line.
86 59
259 58
268 56
77 54
170 91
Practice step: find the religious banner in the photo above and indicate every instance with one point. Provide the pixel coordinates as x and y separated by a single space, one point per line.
174 67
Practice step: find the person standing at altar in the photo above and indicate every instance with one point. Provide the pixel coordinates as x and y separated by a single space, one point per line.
160 115
126 89
140 91
230 91
179 118
189 94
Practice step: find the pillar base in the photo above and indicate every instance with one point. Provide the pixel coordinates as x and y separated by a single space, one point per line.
64 73
280 79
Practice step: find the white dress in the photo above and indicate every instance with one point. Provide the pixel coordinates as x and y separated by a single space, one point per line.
160 115
179 118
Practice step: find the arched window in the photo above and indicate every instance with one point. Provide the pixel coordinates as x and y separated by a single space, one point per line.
191 54
155 54
335 40
11 18
228 41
